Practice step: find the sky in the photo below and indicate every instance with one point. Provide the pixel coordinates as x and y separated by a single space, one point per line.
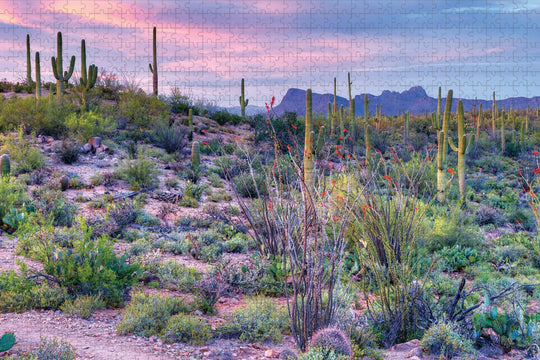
205 47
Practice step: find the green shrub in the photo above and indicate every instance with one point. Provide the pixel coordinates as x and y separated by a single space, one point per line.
147 315
171 138
188 329
83 306
91 267
177 276
22 152
453 228
140 109
53 350
88 124
210 289
322 354
138 173
250 187
223 117
457 258
445 340
242 275
68 151
12 204
258 321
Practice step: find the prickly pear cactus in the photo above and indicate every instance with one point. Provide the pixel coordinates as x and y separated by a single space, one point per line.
5 165
7 341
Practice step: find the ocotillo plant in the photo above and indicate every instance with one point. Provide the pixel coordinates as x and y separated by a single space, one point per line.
195 156
88 78
309 161
38 77
5 166
463 147
28 61
366 129
153 66
442 137
62 77
243 101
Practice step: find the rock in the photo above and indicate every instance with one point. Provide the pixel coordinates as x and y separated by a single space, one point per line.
49 139
270 353
406 347
102 148
86 148
415 353
288 354
95 142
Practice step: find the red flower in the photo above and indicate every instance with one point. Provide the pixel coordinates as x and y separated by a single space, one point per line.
203 131
339 197
344 130
294 127
388 178
204 143
269 206
335 218
333 182
428 158
289 148
535 153
339 146
272 102
323 193
366 207
536 171
395 159
451 171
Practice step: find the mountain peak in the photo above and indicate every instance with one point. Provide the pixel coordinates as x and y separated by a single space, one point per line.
416 91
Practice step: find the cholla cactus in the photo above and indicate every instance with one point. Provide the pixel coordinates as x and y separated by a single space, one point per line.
332 338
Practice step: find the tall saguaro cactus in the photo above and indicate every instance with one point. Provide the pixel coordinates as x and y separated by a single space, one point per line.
243 101
366 129
352 108
503 138
463 148
62 77
88 78
442 149
493 115
334 110
38 77
153 66
309 161
28 61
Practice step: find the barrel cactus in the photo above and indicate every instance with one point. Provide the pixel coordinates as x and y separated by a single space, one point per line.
5 165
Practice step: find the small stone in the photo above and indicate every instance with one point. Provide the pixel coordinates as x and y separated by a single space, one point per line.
270 353
95 142
86 148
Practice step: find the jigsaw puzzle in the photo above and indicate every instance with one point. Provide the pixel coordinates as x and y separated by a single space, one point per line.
279 179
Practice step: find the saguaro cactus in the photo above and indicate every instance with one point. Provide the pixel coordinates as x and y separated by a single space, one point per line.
195 156
309 161
28 61
335 110
493 115
62 77
153 68
38 77
5 166
442 137
478 122
463 148
503 139
406 125
88 78
366 128
243 101
190 124
351 99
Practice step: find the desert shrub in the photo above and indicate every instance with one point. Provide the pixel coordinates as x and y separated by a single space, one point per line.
453 228
210 289
239 243
223 117
53 350
334 339
485 215
12 204
258 321
457 258
138 173
250 186
188 329
175 243
123 213
83 306
242 275
68 151
322 354
91 267
88 124
176 276
230 167
147 315
445 340
144 218
141 109
170 137
54 206
22 152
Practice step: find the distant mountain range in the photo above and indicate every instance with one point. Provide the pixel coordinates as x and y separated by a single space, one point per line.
415 100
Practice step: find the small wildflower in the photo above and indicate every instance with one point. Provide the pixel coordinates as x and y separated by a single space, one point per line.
535 153
339 197
333 182
388 178
335 218
203 131
204 143
366 207
451 171
323 193
272 102
294 127
289 148
519 172
536 171
345 130
269 206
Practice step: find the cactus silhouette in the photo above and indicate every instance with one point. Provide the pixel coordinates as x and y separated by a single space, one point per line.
28 61
309 161
153 68
442 149
243 101
195 156
62 77
88 78
366 129
38 77
463 147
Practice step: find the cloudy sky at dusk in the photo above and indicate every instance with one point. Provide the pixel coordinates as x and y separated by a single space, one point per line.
206 46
